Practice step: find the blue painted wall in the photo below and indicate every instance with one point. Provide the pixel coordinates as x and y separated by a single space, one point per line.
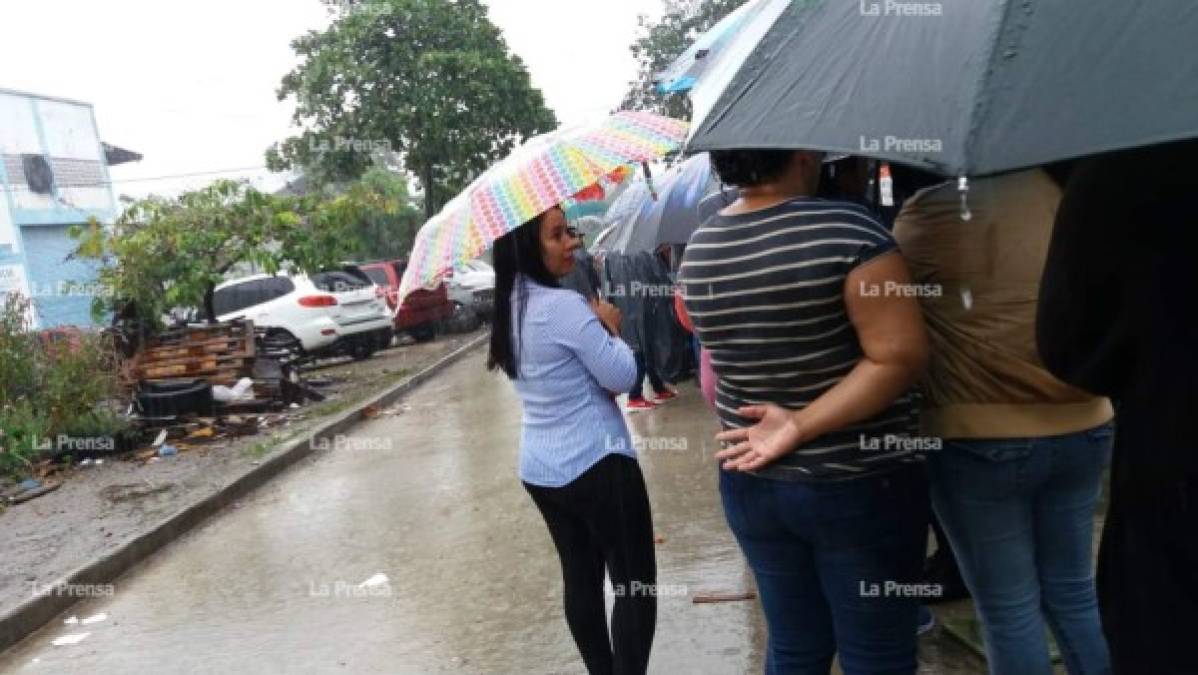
45 242
58 302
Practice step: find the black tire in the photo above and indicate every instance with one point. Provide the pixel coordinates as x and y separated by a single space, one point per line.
423 333
385 340
464 320
362 349
281 338
167 399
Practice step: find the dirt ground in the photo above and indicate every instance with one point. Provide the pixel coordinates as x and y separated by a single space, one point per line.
99 506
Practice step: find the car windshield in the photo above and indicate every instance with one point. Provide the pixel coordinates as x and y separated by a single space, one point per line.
377 275
341 281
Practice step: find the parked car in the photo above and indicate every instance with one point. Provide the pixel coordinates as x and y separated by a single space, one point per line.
422 311
334 312
472 286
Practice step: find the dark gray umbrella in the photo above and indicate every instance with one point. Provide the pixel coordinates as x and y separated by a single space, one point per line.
961 87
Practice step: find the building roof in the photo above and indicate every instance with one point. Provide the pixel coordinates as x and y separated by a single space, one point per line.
29 94
114 155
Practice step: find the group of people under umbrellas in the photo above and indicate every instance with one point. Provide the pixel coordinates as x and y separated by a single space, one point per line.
1023 326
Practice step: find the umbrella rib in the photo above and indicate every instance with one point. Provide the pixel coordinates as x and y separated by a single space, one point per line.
980 108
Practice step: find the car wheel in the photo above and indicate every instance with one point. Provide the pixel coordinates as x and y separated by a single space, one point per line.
424 333
282 340
385 340
362 349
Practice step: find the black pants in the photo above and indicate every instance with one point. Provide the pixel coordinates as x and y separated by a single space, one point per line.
602 520
1148 565
645 365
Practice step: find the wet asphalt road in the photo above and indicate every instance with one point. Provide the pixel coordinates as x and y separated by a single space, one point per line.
411 547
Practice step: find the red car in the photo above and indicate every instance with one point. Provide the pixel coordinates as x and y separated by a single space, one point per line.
422 310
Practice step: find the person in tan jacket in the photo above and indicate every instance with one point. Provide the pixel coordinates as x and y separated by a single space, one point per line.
1018 473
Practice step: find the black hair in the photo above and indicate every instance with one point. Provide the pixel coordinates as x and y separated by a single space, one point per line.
518 259
750 168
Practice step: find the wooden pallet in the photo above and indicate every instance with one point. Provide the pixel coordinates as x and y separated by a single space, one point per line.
195 371
220 354
155 360
196 334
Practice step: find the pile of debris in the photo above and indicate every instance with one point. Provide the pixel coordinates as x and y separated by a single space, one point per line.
211 370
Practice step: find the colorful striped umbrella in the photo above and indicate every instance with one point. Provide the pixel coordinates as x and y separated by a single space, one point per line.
540 174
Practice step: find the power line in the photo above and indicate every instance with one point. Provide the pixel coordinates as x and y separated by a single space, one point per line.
189 175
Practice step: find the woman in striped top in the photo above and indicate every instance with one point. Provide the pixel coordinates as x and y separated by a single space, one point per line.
577 460
816 338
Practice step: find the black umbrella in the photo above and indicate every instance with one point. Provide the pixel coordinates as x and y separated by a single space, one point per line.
960 87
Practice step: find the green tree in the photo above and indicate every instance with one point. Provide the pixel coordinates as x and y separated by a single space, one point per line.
172 252
388 219
664 40
389 216
428 81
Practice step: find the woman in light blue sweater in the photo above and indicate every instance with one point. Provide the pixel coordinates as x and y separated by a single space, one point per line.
576 456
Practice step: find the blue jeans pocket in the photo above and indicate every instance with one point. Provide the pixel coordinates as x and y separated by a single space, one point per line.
998 450
982 470
1102 434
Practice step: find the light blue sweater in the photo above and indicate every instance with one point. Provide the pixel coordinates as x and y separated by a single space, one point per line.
568 365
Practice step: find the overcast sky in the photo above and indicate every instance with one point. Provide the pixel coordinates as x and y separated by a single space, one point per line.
191 84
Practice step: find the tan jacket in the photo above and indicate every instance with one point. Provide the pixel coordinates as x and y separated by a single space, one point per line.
985 379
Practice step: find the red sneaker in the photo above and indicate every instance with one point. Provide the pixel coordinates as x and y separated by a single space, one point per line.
665 396
639 404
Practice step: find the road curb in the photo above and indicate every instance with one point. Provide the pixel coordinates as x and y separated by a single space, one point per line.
31 615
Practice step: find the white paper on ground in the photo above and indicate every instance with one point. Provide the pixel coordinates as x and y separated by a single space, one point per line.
73 638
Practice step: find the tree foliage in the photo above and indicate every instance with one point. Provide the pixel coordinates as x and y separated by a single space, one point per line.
387 219
664 40
164 253
51 387
428 81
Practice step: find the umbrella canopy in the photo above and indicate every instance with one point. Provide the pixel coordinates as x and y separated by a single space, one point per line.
597 200
635 198
688 194
589 226
961 88
537 176
686 70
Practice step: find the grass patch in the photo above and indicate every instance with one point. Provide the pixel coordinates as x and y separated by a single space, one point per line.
259 449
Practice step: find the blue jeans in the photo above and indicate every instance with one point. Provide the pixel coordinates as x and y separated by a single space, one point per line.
836 565
1020 515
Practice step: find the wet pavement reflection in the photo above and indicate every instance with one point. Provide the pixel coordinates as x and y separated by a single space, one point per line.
411 547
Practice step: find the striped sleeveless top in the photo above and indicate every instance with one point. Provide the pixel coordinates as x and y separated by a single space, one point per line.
765 291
